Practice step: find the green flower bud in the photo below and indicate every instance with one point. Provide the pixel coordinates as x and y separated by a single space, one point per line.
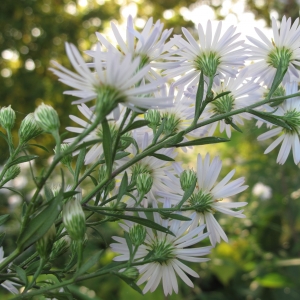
11 173
130 273
137 234
29 129
171 123
60 247
47 118
187 178
153 116
67 159
7 118
44 244
144 183
74 218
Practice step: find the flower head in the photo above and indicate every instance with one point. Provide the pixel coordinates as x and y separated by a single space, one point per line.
167 251
289 111
267 54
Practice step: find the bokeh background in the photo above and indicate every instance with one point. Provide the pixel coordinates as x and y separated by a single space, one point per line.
262 259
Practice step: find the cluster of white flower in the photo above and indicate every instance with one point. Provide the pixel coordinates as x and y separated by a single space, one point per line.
134 88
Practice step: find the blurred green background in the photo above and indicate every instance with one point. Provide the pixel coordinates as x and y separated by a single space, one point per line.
262 259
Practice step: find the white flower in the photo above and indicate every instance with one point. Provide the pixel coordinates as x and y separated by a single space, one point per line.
112 82
242 94
208 197
169 251
96 149
213 54
267 52
149 44
9 285
289 110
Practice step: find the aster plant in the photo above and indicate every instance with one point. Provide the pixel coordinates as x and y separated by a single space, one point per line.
136 116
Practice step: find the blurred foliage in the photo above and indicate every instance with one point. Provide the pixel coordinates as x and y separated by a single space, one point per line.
262 259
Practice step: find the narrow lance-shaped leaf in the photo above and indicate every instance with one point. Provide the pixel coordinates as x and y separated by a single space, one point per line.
203 141
174 216
79 163
130 282
107 146
21 274
22 159
3 219
162 157
89 263
187 194
199 97
270 119
135 125
123 187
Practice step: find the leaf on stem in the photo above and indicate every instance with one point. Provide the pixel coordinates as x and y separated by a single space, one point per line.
203 141
130 282
199 97
174 216
39 146
123 187
22 159
21 274
135 125
162 157
3 219
107 146
79 163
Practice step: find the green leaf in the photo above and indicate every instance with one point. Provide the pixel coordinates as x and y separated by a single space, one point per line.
69 194
107 146
3 219
199 97
89 263
40 224
48 193
159 131
135 125
187 194
273 280
87 144
2 236
162 157
130 282
129 243
123 187
145 222
120 155
174 216
235 127
22 159
39 146
79 163
221 95
132 141
21 274
12 190
270 119
277 78
203 141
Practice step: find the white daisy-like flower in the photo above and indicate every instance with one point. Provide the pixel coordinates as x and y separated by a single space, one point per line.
169 251
214 54
242 94
117 79
149 44
267 53
151 165
96 149
7 284
208 196
289 111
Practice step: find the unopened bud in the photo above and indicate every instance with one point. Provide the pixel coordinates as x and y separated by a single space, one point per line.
47 118
187 178
74 219
130 273
67 159
29 129
44 244
144 183
7 118
137 234
153 116
60 247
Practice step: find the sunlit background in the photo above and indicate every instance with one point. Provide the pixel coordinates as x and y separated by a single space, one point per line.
262 259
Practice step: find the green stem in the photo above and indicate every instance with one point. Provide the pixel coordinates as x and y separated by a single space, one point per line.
10 258
36 274
79 254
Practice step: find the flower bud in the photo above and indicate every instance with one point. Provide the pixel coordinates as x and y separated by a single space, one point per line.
47 118
144 183
11 173
187 178
130 273
7 118
137 234
60 247
45 243
67 159
74 219
153 116
29 129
